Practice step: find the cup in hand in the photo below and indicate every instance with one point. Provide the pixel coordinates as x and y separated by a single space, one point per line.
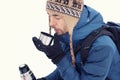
46 38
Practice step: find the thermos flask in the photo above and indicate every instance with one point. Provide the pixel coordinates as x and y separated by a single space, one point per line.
26 73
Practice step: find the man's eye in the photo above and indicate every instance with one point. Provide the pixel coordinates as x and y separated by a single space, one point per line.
57 17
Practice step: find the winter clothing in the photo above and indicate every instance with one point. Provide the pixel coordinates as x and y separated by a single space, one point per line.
103 59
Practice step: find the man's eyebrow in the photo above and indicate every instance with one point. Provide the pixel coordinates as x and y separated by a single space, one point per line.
55 15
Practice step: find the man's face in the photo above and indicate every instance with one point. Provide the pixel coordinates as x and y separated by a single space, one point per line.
57 22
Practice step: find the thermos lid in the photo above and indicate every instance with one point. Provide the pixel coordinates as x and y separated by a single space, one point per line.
23 68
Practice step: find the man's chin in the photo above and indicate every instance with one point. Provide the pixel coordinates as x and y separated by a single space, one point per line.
59 33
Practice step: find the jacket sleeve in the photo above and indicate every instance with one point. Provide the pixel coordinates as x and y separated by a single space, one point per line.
55 75
67 70
96 68
98 63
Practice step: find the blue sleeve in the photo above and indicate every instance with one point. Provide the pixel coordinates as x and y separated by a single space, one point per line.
98 63
67 70
96 68
55 75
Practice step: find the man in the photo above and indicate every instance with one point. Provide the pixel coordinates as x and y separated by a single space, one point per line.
72 24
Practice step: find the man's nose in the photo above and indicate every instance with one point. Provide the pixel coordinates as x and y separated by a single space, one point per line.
52 22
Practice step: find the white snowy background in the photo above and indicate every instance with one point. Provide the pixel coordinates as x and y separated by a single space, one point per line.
20 20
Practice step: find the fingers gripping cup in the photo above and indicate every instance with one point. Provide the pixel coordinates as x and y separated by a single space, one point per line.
46 38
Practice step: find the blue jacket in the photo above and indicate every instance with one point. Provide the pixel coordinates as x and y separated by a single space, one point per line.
103 60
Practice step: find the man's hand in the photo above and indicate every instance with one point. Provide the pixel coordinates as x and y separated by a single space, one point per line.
53 52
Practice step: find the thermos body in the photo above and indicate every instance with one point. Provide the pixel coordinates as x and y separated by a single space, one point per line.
26 73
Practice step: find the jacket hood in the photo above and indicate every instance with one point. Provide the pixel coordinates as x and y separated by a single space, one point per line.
90 20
